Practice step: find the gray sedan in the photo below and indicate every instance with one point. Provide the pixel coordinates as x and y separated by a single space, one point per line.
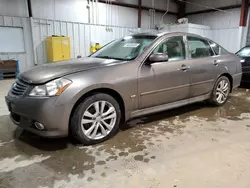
130 77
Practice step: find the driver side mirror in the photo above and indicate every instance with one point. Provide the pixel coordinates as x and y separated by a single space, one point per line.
158 57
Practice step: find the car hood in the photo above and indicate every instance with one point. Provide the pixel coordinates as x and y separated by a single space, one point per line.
44 73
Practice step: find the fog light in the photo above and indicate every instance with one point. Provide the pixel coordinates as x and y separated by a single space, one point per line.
39 126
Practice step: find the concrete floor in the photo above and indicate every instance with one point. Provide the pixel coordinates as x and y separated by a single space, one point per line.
196 146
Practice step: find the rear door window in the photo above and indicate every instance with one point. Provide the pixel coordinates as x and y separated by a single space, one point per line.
199 48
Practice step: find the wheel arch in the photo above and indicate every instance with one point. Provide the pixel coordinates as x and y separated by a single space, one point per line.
229 76
104 90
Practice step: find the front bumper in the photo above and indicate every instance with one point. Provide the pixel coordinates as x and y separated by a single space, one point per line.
24 111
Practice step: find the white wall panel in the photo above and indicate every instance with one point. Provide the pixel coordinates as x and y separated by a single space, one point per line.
43 9
167 19
228 38
25 59
76 11
217 19
121 16
210 3
14 8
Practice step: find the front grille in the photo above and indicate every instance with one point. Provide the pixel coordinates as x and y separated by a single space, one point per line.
19 88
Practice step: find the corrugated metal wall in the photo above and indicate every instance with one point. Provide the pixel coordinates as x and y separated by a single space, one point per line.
81 35
25 59
228 38
17 8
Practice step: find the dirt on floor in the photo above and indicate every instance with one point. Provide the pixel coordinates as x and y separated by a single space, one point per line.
190 147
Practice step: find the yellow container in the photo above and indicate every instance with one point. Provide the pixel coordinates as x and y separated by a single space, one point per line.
58 48
92 49
98 46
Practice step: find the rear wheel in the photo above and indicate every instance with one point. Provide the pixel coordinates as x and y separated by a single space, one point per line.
221 91
96 119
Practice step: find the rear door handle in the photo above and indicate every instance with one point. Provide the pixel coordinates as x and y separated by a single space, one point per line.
216 63
184 67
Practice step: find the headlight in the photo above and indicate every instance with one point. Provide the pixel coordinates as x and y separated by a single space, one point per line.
53 88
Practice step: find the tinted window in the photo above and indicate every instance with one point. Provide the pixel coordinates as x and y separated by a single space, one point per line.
127 48
244 52
199 47
218 50
174 47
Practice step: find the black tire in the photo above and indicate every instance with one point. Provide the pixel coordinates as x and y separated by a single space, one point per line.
213 99
75 125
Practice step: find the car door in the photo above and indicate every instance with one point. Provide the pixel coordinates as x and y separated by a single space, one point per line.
203 64
165 82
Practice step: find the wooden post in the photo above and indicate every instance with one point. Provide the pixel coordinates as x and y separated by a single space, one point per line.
243 13
181 9
139 13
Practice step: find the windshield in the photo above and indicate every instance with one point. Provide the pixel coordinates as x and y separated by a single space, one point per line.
126 49
244 52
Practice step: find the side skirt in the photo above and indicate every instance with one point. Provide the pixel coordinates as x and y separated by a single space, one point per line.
168 106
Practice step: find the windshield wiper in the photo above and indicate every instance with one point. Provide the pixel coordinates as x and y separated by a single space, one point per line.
104 57
109 57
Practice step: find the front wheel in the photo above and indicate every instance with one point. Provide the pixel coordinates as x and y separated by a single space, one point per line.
96 119
221 91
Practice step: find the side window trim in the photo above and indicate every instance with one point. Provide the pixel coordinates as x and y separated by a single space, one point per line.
209 42
214 54
188 55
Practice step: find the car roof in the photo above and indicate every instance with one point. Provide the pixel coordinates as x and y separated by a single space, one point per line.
160 34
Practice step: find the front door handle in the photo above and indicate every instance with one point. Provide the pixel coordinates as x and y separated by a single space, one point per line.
216 63
184 67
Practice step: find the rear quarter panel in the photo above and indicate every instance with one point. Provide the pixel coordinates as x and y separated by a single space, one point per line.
229 63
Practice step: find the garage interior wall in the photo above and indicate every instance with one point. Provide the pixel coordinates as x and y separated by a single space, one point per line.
15 14
225 25
72 18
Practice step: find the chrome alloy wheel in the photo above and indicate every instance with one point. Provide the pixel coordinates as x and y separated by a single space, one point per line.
98 120
222 91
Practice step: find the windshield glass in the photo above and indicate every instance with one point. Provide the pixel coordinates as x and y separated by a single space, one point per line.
127 48
244 52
